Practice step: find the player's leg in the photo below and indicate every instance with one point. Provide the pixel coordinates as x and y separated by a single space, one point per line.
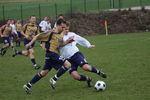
59 63
47 67
4 49
81 61
90 68
60 72
5 46
23 52
34 80
32 57
79 77
19 39
11 37
17 42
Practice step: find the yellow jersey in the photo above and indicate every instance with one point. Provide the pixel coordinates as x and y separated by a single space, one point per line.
52 41
6 30
18 27
31 30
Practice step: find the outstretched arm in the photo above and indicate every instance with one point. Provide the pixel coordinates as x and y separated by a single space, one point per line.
36 37
83 42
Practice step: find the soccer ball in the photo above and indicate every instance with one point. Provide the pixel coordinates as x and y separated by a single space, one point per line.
100 85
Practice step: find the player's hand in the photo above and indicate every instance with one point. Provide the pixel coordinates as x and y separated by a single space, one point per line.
26 36
70 39
91 46
1 35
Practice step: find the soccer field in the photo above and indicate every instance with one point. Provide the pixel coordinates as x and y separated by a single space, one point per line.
124 57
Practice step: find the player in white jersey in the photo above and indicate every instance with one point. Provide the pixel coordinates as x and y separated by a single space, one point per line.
14 33
76 58
60 16
45 25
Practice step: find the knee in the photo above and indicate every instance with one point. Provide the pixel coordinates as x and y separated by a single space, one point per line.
26 53
86 67
7 45
75 76
43 73
67 64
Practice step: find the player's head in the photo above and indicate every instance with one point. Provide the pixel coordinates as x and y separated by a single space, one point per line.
60 16
8 21
18 21
60 25
12 21
45 18
32 19
66 29
48 20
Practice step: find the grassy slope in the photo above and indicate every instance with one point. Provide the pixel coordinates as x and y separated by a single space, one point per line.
124 57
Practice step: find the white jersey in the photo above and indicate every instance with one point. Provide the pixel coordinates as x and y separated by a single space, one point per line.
70 49
13 28
45 26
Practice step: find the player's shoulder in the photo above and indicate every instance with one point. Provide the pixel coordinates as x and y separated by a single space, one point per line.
71 33
25 25
3 26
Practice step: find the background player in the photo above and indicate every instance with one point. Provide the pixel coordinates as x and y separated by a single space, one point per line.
19 35
29 31
5 32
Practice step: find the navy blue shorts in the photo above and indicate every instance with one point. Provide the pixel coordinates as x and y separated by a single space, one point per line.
53 60
11 37
19 35
77 60
26 41
5 40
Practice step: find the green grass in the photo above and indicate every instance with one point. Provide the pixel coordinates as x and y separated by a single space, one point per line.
124 57
12 8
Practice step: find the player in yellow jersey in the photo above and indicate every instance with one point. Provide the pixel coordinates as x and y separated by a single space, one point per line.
52 59
29 31
19 35
5 32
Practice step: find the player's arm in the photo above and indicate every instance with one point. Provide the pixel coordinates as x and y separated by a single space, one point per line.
0 32
23 30
83 42
2 28
36 37
70 39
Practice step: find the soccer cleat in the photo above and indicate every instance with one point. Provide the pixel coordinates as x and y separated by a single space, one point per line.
52 83
14 53
89 82
36 66
3 53
27 89
102 74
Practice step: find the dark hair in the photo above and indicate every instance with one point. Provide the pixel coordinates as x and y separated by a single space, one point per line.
32 16
67 23
60 21
60 15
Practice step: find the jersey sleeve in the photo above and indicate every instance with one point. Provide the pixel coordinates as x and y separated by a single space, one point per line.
81 41
24 28
44 37
38 30
3 27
